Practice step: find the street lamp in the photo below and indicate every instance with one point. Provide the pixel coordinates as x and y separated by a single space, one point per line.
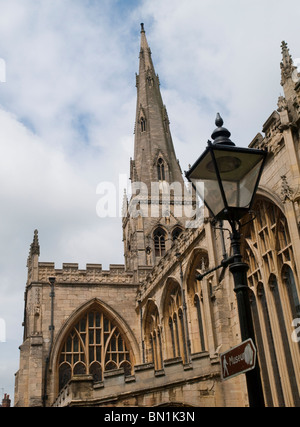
226 178
230 175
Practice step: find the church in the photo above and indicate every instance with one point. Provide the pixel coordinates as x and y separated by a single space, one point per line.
149 333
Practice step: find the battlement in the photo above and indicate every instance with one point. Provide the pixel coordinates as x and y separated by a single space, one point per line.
93 274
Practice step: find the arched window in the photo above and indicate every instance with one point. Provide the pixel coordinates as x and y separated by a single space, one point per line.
267 245
153 337
288 279
171 326
268 250
143 124
273 283
161 170
200 321
94 345
264 309
199 302
159 242
261 350
156 350
174 318
177 340
176 233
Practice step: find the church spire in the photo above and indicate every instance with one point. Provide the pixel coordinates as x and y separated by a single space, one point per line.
153 141
145 52
151 221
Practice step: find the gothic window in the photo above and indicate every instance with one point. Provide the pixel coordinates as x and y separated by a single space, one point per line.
197 303
65 374
176 233
268 250
273 283
160 242
261 350
176 349
199 294
290 284
171 326
161 170
156 349
176 340
143 124
153 337
269 342
94 345
267 242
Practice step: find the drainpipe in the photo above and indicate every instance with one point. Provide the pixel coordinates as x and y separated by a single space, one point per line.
51 329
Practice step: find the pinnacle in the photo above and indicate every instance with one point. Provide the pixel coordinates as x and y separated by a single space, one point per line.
35 246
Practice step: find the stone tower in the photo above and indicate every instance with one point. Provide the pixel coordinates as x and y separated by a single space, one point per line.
159 205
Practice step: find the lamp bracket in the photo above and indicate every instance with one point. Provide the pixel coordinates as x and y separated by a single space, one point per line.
224 264
251 220
222 228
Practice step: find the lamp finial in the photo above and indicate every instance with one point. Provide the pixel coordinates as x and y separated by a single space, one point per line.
221 135
219 121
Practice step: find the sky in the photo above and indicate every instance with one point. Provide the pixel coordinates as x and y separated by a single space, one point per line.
67 112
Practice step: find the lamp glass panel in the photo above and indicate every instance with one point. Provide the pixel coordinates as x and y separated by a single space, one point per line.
247 185
239 172
205 181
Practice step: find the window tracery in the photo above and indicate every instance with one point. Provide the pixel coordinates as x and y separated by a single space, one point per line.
268 250
196 302
94 345
143 124
161 170
267 244
159 242
175 324
176 233
153 332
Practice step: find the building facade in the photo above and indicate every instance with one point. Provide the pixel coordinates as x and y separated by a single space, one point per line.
147 333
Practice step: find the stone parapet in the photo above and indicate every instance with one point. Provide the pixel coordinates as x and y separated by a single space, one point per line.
173 383
93 274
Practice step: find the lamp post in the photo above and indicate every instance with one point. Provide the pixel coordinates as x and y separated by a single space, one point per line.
226 178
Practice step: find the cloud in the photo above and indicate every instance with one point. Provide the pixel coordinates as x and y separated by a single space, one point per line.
219 56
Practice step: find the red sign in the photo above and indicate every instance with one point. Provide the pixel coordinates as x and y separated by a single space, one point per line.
238 360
